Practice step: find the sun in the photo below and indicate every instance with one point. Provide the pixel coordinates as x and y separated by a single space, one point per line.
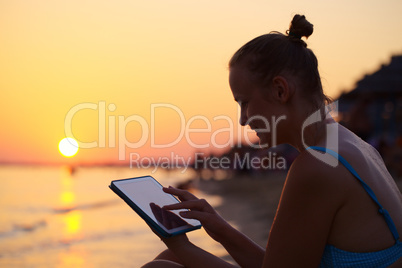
68 147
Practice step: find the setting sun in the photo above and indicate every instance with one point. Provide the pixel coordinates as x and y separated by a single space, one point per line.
68 147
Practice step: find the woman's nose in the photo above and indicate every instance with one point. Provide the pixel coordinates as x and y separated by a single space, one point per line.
243 117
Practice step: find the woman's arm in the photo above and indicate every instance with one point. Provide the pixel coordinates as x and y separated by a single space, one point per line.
192 256
243 250
311 197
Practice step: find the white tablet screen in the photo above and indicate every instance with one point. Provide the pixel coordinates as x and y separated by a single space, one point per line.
148 195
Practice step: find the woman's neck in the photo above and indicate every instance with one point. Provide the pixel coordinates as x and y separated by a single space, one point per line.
311 130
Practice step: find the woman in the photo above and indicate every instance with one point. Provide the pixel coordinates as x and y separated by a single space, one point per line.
328 214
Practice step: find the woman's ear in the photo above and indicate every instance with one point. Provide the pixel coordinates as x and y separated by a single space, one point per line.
281 89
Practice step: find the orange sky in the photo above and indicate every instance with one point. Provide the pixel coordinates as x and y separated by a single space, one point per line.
57 55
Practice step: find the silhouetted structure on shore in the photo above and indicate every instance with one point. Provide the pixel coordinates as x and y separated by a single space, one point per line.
373 110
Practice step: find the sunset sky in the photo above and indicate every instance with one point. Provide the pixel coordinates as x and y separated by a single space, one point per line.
106 64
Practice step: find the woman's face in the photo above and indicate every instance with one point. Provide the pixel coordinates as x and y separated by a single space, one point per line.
256 110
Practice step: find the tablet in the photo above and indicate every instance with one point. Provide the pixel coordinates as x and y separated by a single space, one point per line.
146 197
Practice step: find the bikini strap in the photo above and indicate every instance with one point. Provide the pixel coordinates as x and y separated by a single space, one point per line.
382 210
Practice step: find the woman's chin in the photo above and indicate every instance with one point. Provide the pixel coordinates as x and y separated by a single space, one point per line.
263 143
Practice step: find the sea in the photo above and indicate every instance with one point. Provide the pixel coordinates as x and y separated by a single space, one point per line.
57 216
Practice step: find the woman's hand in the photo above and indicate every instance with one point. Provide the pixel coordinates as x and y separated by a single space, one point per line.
200 210
175 241
167 218
243 250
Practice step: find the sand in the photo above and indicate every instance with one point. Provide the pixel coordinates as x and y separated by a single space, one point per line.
248 202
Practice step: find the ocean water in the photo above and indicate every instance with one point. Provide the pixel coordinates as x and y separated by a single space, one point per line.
58 217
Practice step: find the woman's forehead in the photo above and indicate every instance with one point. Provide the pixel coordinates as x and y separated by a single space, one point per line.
239 81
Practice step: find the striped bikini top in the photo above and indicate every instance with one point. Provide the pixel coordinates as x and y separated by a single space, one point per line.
335 257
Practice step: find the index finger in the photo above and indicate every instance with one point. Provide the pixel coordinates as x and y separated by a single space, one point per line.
183 195
199 204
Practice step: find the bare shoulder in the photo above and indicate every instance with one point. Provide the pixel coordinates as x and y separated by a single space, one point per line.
310 170
317 186
308 164
311 197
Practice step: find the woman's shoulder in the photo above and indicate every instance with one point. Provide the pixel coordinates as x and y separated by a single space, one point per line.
354 152
323 173
315 164
311 173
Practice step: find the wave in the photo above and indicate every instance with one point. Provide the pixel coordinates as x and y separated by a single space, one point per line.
65 243
90 206
23 228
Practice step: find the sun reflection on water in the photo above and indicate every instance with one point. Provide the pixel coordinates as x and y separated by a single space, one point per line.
72 219
67 198
72 222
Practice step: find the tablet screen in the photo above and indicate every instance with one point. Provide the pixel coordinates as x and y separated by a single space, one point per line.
148 195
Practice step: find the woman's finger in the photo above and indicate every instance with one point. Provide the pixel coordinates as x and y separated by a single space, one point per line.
199 204
197 215
165 219
183 195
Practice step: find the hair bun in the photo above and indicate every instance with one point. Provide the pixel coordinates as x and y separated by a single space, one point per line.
300 27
